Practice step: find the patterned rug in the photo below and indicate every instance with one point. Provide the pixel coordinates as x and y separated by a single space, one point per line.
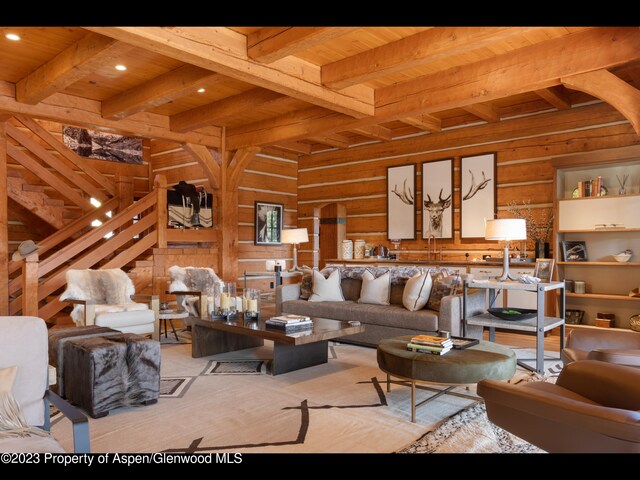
471 431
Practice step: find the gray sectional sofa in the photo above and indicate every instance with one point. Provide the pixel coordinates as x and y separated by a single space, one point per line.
383 321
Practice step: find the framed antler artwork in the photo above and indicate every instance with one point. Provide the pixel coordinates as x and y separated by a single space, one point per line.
401 203
478 192
437 199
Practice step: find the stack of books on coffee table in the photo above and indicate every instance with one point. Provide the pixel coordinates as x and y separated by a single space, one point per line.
290 323
430 344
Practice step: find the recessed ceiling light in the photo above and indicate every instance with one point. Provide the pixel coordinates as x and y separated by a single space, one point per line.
122 68
13 36
201 90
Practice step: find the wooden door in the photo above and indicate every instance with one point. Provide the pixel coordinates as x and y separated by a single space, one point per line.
333 229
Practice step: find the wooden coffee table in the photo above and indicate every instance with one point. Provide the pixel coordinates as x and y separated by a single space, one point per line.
290 352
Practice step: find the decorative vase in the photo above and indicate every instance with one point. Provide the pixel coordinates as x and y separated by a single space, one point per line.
542 250
358 249
347 249
634 323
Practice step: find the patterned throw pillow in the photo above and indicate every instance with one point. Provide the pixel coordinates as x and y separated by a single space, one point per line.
444 283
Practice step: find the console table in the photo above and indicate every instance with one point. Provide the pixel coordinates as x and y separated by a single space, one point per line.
540 324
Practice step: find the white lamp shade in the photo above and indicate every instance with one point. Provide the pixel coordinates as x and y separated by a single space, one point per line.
506 229
295 235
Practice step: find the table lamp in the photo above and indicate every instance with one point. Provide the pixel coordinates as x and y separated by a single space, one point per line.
506 229
295 236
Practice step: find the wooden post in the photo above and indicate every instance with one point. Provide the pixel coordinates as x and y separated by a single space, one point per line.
30 285
4 223
124 191
160 184
228 205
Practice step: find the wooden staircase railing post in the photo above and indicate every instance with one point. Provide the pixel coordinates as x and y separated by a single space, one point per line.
30 285
4 225
160 185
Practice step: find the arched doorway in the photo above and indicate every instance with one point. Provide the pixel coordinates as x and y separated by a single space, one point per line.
330 228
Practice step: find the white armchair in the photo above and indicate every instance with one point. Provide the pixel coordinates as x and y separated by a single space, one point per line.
106 298
24 345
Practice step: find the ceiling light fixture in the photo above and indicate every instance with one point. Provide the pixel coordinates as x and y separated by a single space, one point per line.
121 68
201 90
13 36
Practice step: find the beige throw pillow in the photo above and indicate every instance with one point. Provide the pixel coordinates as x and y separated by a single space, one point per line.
416 292
375 290
326 289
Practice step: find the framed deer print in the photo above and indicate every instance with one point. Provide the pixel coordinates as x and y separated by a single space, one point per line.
401 203
437 199
478 192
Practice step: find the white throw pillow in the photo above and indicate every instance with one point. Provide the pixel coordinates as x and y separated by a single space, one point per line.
375 291
326 289
417 291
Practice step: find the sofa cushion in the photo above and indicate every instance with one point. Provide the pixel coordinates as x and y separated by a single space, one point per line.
375 291
326 289
416 292
384 315
444 283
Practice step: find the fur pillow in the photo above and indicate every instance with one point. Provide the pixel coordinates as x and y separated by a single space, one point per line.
444 284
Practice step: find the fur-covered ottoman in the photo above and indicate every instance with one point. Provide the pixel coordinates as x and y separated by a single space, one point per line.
107 372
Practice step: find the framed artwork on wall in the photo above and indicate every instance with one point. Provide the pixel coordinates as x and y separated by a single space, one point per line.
401 204
102 145
268 223
437 196
478 192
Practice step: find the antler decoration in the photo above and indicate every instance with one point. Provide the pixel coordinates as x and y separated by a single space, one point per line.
473 189
406 196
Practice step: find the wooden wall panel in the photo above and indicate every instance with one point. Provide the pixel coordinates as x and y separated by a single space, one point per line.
524 147
271 177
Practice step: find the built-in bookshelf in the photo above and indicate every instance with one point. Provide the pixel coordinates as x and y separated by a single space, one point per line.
607 225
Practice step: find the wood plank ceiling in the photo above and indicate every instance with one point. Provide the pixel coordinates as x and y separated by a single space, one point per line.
304 89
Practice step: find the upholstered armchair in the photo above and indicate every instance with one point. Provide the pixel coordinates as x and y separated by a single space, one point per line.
107 298
24 345
612 346
593 407
193 287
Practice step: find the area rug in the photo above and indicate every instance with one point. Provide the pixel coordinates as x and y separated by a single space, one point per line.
340 406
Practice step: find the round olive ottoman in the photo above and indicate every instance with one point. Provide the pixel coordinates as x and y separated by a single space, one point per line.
455 368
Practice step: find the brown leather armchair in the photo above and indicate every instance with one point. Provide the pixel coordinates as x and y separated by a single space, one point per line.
593 407
612 346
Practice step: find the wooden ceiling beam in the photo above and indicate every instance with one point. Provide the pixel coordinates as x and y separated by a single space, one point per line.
485 111
527 69
377 132
333 140
557 96
416 50
273 43
72 64
207 161
295 147
611 89
82 112
177 83
214 113
424 122
224 51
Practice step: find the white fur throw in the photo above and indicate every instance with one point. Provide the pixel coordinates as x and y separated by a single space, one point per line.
103 287
192 279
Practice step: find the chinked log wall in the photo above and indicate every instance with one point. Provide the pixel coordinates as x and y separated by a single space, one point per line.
270 177
356 177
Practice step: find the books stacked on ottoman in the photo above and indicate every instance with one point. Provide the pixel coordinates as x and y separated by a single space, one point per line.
290 323
430 344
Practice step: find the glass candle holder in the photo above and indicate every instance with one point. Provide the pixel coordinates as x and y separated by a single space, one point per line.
224 300
251 303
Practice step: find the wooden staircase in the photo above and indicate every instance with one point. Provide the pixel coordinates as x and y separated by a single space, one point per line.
32 198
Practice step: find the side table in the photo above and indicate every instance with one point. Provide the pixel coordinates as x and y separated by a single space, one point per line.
538 325
171 315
